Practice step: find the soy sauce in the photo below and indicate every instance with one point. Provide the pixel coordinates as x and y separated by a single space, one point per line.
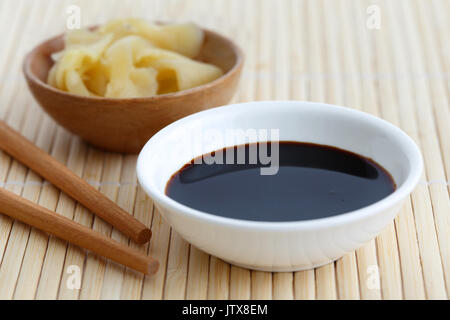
313 181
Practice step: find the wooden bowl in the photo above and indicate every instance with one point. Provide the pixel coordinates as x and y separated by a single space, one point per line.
125 125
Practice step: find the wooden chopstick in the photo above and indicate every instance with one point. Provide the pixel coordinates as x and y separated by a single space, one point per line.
41 218
59 175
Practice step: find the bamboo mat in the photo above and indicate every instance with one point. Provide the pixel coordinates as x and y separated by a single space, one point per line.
329 51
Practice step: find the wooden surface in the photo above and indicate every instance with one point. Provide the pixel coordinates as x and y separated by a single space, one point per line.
306 50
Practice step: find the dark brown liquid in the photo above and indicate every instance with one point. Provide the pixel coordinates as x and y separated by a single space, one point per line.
313 181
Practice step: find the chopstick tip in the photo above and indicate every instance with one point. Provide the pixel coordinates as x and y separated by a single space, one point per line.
144 236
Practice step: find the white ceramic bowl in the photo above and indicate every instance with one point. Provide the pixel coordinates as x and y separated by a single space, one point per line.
280 246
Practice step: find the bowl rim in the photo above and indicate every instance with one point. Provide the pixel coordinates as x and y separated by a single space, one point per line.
31 76
411 149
